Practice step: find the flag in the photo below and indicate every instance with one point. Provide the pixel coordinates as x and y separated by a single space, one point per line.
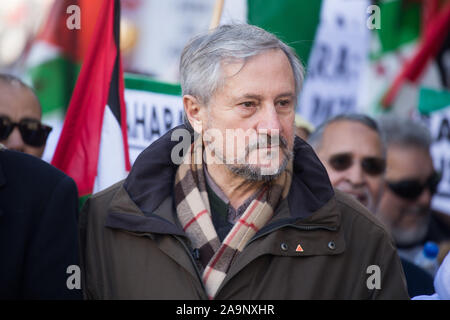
54 60
93 147
421 68
294 21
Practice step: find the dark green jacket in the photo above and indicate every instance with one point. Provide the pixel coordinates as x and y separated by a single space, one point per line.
133 247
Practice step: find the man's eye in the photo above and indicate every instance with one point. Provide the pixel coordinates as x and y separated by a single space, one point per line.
248 104
284 103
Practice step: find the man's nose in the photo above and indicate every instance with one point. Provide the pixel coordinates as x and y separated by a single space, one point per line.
356 174
270 121
14 141
425 198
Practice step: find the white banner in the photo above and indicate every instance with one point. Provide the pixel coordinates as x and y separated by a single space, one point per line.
337 61
153 108
158 30
440 152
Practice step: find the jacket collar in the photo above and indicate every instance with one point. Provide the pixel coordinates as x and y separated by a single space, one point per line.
149 186
2 175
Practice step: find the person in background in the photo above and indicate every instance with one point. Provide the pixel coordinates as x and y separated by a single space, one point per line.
38 230
302 127
441 282
352 149
20 117
410 183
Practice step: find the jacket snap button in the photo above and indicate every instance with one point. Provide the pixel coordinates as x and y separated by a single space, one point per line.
331 245
284 246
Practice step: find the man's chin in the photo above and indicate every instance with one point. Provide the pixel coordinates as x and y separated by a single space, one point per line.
263 172
409 237
360 196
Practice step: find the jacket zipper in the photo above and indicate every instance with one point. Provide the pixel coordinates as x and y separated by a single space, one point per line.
189 252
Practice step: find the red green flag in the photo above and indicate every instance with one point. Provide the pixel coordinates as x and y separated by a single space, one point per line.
93 147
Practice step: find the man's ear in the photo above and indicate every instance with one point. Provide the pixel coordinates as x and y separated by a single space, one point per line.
194 112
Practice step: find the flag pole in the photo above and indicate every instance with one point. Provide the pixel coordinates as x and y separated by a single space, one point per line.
217 14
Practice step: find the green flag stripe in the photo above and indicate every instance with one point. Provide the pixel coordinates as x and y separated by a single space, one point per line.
432 100
294 21
399 22
136 82
54 81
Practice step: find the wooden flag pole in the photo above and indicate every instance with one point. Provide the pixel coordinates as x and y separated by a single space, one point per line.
217 14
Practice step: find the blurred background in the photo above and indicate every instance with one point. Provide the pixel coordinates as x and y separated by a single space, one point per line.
366 56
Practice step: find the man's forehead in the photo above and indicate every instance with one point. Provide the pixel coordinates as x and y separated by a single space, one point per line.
251 76
16 100
404 161
351 137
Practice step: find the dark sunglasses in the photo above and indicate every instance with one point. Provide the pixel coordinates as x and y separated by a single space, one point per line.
412 188
373 166
32 131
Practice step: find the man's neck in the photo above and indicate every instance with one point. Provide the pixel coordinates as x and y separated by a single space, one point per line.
236 188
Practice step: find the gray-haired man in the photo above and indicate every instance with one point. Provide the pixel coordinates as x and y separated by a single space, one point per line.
411 181
248 212
351 148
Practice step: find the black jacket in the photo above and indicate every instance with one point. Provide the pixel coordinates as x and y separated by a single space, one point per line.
38 229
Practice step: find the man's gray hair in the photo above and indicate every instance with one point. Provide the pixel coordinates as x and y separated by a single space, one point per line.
405 132
201 59
315 138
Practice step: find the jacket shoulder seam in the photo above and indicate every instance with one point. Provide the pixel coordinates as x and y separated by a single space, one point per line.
107 191
373 222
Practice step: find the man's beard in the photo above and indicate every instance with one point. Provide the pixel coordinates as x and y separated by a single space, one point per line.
411 236
254 173
242 167
360 193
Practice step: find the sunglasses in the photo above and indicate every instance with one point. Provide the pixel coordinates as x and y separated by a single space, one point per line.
373 166
32 131
411 189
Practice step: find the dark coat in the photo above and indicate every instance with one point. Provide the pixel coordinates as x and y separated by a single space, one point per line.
38 234
134 248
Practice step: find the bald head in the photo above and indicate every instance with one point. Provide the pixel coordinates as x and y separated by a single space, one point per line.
16 87
18 102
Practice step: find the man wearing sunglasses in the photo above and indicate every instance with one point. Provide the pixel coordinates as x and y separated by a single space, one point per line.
352 151
20 118
411 181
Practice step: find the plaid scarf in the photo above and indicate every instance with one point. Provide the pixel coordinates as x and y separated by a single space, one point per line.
194 214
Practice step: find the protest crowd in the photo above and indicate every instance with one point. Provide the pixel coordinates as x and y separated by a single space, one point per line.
232 150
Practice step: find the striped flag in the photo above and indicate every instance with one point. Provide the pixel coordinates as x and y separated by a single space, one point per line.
416 71
93 147
54 60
